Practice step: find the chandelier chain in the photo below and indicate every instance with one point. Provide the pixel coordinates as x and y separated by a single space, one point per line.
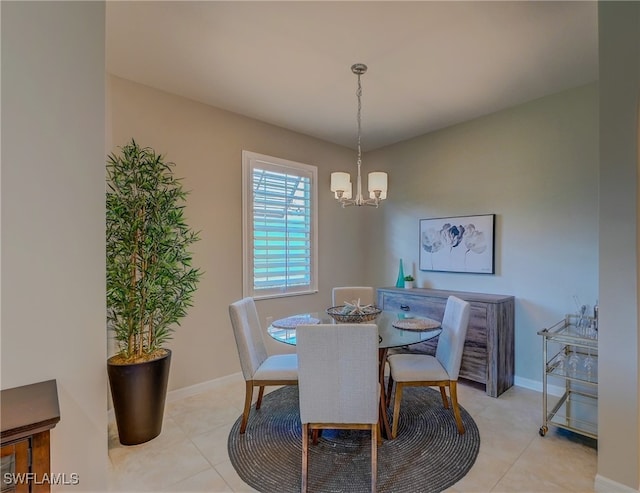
359 118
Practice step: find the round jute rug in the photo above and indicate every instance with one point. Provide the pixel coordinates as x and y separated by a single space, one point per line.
427 456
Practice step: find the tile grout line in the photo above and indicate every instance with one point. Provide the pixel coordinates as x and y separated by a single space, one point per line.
515 461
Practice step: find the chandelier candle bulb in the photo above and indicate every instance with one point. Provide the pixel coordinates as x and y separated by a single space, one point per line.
378 183
340 182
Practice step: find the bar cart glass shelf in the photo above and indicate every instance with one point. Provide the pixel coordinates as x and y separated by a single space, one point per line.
570 356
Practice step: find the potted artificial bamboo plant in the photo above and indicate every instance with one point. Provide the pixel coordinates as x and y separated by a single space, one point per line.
150 284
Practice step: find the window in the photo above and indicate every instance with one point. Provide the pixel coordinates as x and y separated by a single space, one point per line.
279 226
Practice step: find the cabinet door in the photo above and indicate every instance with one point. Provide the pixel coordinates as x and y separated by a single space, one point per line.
14 458
474 358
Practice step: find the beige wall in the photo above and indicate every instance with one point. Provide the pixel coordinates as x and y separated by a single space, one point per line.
52 225
536 167
206 144
619 408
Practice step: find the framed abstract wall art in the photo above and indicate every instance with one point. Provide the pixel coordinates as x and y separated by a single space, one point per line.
458 244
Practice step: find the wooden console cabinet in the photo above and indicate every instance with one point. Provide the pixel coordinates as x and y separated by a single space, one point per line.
489 345
26 416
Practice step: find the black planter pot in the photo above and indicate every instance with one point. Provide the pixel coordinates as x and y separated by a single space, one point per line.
138 391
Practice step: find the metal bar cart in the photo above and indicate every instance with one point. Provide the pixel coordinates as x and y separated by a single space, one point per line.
570 359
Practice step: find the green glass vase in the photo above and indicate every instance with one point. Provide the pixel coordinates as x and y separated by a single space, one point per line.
400 281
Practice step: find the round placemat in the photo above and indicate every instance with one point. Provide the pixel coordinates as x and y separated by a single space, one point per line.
427 456
418 324
293 322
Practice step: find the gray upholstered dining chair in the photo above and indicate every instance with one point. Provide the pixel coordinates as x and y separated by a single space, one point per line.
440 370
258 368
366 295
338 383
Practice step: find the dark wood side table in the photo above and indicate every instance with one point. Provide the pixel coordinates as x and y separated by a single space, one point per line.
27 414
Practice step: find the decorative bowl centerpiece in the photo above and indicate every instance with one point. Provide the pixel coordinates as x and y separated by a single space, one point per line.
354 313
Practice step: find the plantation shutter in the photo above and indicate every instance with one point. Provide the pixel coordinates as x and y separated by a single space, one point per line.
280 238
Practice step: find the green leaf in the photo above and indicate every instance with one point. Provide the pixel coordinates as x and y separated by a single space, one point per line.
150 281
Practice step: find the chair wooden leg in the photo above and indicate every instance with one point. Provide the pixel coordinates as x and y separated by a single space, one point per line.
389 389
247 405
315 434
383 420
453 389
374 457
305 456
396 409
260 395
445 401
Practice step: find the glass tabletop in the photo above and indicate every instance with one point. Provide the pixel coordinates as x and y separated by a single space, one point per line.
390 336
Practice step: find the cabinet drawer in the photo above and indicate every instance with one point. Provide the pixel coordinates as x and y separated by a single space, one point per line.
415 305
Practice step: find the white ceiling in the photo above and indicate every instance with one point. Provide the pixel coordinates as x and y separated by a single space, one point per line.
431 64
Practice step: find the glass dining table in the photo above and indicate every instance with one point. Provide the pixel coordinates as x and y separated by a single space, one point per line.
395 329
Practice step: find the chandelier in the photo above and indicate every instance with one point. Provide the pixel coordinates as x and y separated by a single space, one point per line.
341 182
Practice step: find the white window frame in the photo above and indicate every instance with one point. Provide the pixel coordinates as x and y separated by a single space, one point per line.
251 161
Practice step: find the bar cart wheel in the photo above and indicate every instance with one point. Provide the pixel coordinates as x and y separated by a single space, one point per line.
543 430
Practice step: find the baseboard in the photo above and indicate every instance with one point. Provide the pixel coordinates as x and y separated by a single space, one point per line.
536 385
606 485
198 388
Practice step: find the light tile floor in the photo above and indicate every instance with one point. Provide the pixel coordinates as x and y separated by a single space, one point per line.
190 455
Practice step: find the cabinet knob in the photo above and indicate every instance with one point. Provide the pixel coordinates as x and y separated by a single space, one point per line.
405 308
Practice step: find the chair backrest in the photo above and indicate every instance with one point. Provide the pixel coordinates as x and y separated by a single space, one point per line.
365 294
454 332
338 373
248 334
